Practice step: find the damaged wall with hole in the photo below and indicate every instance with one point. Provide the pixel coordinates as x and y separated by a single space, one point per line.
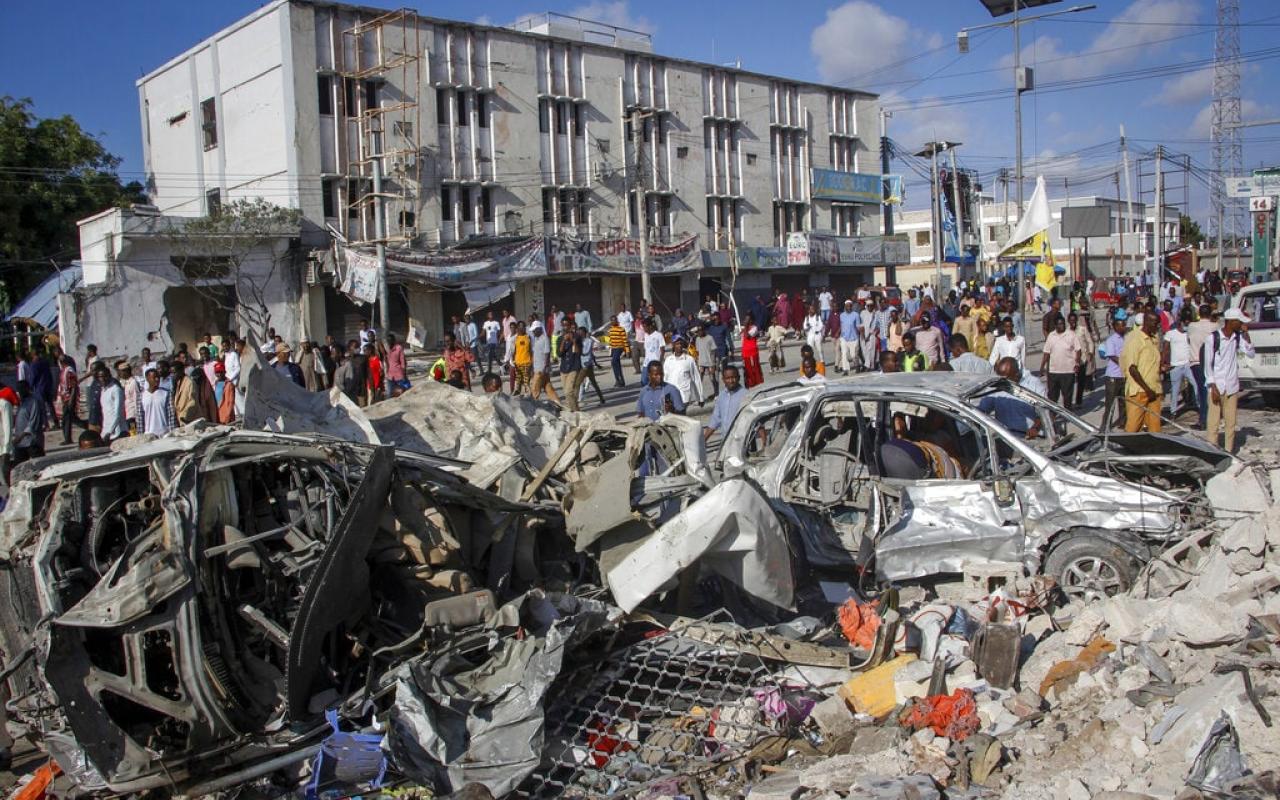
134 296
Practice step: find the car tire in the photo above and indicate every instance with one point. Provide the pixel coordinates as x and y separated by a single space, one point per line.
1088 567
1271 399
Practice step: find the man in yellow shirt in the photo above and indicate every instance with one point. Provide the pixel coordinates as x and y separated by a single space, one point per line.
522 359
1140 363
619 346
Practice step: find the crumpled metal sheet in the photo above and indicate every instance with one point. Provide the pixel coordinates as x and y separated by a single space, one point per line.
731 530
273 403
944 527
147 573
472 711
492 432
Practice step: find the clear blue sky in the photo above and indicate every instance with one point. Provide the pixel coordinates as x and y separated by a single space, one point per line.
904 49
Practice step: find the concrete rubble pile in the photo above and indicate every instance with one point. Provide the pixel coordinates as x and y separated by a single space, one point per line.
452 594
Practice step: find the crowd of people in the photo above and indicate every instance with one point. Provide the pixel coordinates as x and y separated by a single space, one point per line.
1176 343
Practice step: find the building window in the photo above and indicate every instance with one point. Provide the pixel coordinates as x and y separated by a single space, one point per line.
213 202
442 106
562 117
209 123
566 206
751 159
660 124
582 206
544 116
353 199
682 152
350 90
468 209
327 189
462 109
486 204
370 94
922 238
482 110
646 128
324 89
579 128
446 203
407 220
548 206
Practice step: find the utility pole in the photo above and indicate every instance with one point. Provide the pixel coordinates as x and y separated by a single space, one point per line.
1023 81
1120 227
931 150
380 234
1158 249
886 208
642 205
955 206
1128 186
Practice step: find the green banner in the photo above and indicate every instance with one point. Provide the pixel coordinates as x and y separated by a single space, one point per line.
1264 229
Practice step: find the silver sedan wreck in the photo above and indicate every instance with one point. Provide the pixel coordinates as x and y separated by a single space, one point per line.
900 477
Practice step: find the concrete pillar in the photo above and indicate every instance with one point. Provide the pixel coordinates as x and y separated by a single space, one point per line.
315 319
426 316
614 290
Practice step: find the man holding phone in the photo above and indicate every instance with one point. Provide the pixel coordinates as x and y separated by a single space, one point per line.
1221 362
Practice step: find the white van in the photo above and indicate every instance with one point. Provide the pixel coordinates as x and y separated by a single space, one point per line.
1261 301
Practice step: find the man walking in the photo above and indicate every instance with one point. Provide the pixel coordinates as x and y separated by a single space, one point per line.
618 347
570 354
850 338
1177 354
681 371
540 344
1222 375
1059 362
1140 362
1114 393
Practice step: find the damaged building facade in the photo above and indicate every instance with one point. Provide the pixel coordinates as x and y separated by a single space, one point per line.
544 134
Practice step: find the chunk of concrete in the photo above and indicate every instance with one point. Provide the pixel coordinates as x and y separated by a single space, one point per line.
909 787
1244 543
1236 490
833 717
779 786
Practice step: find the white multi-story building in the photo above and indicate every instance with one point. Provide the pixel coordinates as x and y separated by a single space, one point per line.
548 127
1124 251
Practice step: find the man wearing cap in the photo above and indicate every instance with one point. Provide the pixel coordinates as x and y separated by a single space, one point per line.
287 368
1140 361
681 371
224 394
850 337
1111 350
1222 374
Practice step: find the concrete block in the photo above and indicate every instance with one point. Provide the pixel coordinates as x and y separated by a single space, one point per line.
833 717
779 786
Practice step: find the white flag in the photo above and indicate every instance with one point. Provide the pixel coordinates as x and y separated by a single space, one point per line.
1034 220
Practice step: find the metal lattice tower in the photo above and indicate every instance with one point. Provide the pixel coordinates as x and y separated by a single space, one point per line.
1228 155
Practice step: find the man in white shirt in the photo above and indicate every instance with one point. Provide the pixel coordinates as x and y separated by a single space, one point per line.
809 374
157 411
111 398
1009 345
492 337
681 371
625 319
368 336
1222 374
654 344
824 303
964 361
582 318
1177 354
1198 332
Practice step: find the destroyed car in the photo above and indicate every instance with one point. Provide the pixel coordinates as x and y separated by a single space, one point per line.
183 612
904 476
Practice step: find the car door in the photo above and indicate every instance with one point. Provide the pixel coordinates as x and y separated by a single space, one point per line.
951 524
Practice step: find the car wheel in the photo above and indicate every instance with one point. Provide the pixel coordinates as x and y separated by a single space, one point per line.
1272 399
1089 567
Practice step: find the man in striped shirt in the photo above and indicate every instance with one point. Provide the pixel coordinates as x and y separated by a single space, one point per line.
618 347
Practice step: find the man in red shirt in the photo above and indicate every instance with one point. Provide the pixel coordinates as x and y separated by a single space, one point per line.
375 373
396 381
457 358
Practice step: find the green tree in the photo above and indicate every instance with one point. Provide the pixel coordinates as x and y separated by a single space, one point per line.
1189 231
52 174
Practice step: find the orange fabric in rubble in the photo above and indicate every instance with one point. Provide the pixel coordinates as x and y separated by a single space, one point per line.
954 716
859 622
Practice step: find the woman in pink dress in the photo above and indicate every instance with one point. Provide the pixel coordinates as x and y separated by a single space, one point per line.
782 310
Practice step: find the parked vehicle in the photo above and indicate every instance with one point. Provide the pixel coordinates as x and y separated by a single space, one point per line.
1261 301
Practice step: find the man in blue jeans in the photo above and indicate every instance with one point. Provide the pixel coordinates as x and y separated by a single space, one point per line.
1198 332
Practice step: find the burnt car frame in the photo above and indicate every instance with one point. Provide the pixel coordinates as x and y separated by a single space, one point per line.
189 607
